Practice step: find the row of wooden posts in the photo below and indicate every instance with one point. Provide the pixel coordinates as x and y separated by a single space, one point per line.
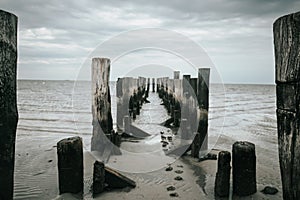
187 102
70 170
243 170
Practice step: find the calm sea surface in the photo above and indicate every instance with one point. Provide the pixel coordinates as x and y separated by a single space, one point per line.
243 112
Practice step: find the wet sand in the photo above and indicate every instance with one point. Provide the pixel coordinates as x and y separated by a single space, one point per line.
36 175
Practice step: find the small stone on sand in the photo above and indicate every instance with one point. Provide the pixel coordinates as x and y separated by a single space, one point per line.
269 190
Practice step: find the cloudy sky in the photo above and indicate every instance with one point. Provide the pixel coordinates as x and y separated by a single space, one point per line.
56 37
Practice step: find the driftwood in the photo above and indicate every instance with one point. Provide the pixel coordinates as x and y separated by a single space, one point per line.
8 102
287 62
106 177
70 165
116 180
133 131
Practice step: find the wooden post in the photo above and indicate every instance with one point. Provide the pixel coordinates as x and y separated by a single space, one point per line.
184 129
127 123
222 182
70 165
244 168
153 84
203 101
203 88
193 110
176 74
287 63
8 102
101 104
186 89
120 105
148 88
98 177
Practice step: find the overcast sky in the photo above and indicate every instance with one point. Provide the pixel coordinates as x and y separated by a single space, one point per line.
56 37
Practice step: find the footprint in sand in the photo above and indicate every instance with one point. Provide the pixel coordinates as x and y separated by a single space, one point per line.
169 168
171 188
174 194
178 178
178 171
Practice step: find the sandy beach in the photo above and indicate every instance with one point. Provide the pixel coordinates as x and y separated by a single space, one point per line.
36 175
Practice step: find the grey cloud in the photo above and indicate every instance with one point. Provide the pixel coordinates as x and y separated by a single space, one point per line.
226 28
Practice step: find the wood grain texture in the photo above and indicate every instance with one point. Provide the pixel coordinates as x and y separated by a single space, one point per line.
101 104
70 165
8 102
287 65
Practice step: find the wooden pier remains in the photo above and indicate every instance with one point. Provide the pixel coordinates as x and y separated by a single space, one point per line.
132 93
8 102
287 63
187 102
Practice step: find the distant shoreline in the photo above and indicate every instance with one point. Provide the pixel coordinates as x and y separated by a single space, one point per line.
51 80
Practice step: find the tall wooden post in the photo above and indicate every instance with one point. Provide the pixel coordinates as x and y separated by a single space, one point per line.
101 104
153 84
200 142
287 63
120 104
203 88
8 102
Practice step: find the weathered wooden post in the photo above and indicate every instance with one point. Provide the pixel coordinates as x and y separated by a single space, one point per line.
148 88
287 63
203 88
184 129
98 177
101 104
153 84
178 98
8 102
222 182
193 110
203 102
244 168
70 165
200 142
186 95
127 123
120 104
176 74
